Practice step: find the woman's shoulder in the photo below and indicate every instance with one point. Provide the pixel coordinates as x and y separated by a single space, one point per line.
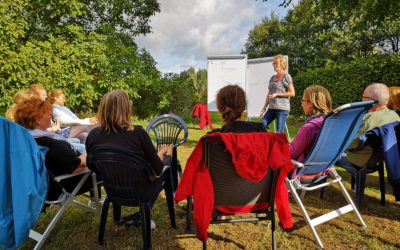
243 126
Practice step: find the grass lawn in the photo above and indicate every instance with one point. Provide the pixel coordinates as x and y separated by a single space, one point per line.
78 229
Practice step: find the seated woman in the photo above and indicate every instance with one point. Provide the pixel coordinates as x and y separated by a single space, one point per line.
80 131
19 97
231 103
116 130
63 114
316 103
62 158
394 101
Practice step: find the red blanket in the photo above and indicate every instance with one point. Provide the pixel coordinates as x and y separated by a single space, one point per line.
250 152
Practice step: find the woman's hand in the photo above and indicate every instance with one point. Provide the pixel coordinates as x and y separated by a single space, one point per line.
165 150
170 150
55 126
93 120
272 96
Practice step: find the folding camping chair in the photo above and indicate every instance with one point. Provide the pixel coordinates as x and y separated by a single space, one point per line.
167 129
337 132
23 181
232 190
65 200
129 181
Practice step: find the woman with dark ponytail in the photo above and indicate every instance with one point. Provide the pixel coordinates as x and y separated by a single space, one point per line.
231 103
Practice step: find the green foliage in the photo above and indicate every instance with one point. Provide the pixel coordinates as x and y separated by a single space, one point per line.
182 91
84 47
346 82
321 33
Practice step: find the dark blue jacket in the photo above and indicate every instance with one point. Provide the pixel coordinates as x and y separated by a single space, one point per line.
391 152
23 181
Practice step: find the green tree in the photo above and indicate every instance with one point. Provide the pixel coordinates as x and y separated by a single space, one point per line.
84 47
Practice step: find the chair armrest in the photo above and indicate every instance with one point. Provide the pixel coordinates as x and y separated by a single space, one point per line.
297 164
66 176
153 175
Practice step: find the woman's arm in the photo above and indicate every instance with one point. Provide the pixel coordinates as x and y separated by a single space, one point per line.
265 106
290 92
82 165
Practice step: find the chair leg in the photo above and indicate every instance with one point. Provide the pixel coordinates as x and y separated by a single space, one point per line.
204 245
273 241
382 185
146 224
189 214
304 211
350 201
353 181
116 212
360 188
103 220
170 199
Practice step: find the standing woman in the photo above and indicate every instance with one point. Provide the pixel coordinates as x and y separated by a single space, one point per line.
280 89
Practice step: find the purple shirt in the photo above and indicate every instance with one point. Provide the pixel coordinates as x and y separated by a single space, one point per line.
303 142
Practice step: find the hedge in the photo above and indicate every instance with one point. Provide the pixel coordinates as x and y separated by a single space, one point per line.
346 82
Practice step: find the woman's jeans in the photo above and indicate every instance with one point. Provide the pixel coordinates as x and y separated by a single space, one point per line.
280 116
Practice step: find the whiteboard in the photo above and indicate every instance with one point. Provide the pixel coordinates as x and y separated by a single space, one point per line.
259 71
224 70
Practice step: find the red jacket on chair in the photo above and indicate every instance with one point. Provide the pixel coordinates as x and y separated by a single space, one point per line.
201 111
250 152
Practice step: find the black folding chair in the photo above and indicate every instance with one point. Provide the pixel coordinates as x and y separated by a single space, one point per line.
377 162
169 129
359 174
130 181
232 190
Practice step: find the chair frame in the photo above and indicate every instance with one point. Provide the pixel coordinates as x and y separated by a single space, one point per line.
144 206
270 179
317 162
65 200
166 129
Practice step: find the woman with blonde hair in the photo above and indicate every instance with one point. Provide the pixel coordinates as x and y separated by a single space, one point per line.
316 104
19 97
280 90
116 130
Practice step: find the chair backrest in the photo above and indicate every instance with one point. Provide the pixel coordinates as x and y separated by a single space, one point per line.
337 132
229 188
167 129
125 173
23 181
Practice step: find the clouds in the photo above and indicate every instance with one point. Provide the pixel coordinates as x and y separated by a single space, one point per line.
185 32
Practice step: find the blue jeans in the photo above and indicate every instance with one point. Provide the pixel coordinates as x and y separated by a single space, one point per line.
280 116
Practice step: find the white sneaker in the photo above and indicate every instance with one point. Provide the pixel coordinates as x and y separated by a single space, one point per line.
152 225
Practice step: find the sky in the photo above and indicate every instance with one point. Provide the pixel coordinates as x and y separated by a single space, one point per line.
185 32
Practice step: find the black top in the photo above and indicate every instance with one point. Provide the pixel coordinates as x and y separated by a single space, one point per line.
61 158
241 126
136 140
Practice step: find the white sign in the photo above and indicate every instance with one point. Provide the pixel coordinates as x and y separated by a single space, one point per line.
222 71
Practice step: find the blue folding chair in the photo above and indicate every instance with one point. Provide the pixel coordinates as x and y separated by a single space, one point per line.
337 132
169 129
